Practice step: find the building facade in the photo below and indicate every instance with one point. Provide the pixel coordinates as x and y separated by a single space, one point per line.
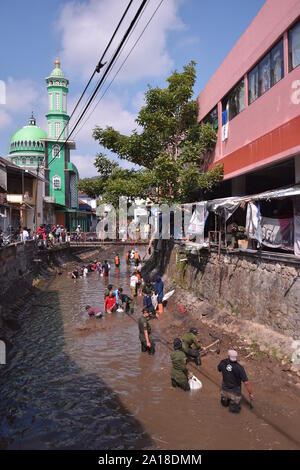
48 155
253 100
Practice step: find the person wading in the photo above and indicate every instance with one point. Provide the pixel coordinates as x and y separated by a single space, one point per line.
179 370
137 258
110 303
125 299
188 341
159 291
233 376
117 261
147 343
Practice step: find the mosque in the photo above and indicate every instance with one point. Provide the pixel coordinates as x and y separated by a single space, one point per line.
47 155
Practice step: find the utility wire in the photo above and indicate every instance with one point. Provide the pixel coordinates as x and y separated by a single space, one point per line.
141 7
97 70
120 68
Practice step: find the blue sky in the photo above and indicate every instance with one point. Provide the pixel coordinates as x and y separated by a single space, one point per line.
34 33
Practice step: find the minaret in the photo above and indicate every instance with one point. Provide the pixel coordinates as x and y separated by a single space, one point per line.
57 155
57 116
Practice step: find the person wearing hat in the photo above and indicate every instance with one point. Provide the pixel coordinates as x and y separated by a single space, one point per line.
147 343
233 376
191 346
179 370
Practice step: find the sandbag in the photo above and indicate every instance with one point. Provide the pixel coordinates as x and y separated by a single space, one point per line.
195 383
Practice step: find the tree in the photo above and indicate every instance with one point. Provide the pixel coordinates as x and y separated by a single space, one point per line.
94 187
169 144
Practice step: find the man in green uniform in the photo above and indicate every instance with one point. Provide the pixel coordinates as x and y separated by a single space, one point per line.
147 342
179 371
188 340
125 299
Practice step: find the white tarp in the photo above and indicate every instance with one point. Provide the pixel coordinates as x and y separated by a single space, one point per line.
297 235
251 220
197 222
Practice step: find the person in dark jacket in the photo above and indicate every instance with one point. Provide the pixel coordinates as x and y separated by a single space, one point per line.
191 346
233 376
179 370
159 291
147 304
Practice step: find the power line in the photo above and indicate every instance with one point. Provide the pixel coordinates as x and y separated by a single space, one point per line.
141 7
97 70
121 66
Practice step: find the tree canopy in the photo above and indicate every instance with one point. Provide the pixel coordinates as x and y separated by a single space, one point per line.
169 145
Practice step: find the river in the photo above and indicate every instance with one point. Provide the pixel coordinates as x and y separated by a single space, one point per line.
74 382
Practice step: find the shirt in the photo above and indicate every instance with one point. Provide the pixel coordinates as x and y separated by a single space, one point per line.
233 376
147 302
143 325
133 281
109 302
93 310
188 340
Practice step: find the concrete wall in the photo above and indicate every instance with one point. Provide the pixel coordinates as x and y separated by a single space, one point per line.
266 292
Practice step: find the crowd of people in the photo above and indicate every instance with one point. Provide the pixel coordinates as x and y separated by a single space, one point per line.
185 349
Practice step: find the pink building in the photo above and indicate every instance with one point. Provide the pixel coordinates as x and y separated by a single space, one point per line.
254 101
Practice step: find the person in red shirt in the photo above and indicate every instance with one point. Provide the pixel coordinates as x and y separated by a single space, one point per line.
110 302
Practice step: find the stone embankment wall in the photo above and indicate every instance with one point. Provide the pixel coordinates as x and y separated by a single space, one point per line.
253 288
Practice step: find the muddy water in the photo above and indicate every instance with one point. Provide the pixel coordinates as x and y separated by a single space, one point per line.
81 383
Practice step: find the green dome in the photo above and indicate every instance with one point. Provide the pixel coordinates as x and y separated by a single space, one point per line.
57 71
28 138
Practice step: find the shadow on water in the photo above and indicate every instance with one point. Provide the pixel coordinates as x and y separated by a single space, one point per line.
49 402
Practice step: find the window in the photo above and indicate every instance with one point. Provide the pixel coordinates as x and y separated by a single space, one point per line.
23 161
50 102
212 118
57 103
49 129
253 85
56 151
234 102
264 75
277 63
294 46
64 102
56 182
31 160
57 130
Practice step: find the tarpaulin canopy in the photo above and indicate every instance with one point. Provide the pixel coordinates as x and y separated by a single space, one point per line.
225 207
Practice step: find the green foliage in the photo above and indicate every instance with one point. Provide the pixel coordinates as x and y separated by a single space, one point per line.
169 144
93 187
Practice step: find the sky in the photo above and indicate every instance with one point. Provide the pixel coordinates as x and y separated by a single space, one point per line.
33 34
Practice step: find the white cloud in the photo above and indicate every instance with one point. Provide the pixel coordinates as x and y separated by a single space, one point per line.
86 28
109 112
84 164
5 118
23 96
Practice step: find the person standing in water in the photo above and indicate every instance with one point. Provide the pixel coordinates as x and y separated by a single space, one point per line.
159 291
147 343
179 370
117 261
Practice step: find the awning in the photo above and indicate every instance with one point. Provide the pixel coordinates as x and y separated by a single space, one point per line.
225 207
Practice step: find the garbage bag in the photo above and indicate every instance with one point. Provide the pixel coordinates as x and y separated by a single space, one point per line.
195 383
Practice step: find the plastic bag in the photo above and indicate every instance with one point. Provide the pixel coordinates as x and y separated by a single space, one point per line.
154 301
195 383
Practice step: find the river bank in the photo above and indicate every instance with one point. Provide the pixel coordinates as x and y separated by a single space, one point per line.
74 382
